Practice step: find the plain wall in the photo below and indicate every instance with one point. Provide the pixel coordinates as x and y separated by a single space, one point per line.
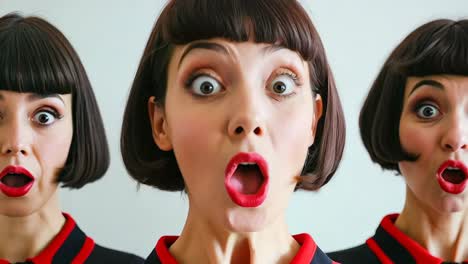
358 35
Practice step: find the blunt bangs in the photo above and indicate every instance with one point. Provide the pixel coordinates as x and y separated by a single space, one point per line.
275 22
440 49
32 60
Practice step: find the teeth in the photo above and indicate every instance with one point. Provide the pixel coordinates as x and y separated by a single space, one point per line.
452 168
247 163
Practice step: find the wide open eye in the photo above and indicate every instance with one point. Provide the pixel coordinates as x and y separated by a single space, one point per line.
283 85
45 117
427 111
205 85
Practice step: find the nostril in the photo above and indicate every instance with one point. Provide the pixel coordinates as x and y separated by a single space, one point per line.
23 152
258 131
239 130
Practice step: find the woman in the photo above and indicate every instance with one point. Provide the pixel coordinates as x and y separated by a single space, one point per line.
415 122
234 103
51 132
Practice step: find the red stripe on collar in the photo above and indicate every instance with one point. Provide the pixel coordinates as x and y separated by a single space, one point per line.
85 251
48 253
378 251
304 255
306 251
420 254
162 249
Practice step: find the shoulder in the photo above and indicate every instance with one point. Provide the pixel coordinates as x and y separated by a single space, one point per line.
359 254
102 254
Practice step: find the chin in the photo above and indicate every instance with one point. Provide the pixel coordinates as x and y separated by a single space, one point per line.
16 210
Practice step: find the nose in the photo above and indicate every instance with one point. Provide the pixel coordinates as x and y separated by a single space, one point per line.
247 116
14 138
455 137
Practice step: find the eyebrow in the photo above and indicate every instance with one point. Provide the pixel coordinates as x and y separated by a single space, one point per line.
35 96
432 83
203 45
221 49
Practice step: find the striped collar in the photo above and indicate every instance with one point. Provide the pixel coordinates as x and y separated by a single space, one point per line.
309 252
70 245
391 245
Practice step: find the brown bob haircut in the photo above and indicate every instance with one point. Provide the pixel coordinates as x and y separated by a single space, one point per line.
35 57
282 22
437 47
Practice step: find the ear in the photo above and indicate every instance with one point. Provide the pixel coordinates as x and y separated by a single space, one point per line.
318 109
159 125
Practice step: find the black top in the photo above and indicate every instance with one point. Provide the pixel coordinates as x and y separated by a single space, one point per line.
389 245
71 245
359 254
309 253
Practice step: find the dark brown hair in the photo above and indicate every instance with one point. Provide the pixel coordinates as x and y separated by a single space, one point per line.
282 22
35 57
437 47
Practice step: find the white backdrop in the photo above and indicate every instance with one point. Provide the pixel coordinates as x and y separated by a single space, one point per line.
358 35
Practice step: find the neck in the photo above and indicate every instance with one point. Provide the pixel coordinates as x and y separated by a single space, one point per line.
23 237
443 234
203 242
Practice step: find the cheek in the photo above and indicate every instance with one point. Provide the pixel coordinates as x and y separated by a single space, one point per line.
194 139
292 135
54 148
418 140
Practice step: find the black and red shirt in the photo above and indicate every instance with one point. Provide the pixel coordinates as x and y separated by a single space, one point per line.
309 253
389 245
71 245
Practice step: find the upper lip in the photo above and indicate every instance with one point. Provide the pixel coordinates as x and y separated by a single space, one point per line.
454 164
15 170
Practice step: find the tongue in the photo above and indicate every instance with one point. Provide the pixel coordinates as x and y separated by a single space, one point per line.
453 176
247 179
15 180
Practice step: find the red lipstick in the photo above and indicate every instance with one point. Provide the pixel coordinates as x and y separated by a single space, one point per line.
246 179
452 176
14 187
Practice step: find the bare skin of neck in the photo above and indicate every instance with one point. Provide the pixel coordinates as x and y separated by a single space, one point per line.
202 242
25 237
444 235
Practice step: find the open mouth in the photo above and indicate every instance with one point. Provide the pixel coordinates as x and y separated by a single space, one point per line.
15 181
453 176
246 179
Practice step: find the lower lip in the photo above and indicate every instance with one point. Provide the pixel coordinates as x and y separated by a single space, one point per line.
16 191
449 187
247 200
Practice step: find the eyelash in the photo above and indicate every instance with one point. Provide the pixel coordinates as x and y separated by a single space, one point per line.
282 72
193 76
48 110
423 102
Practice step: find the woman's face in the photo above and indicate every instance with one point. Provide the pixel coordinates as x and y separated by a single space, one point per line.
434 125
240 118
35 136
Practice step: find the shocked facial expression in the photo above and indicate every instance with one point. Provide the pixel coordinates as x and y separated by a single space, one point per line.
434 126
240 118
35 137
